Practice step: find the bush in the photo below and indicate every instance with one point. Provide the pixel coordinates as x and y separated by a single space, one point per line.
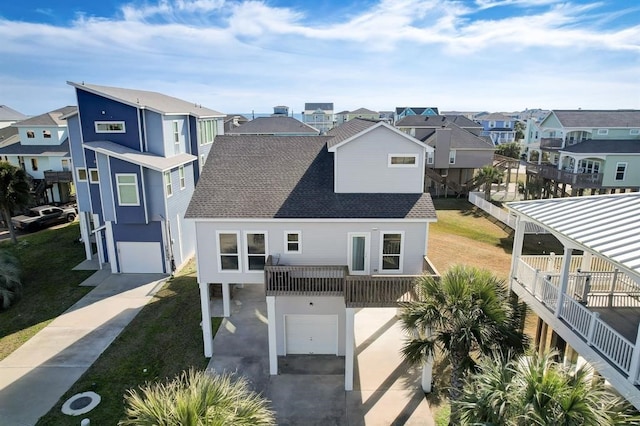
10 284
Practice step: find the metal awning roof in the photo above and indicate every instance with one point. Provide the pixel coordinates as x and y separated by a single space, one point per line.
144 159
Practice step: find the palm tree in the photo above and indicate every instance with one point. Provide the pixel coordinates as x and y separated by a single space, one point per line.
197 398
486 176
10 284
14 192
467 311
536 390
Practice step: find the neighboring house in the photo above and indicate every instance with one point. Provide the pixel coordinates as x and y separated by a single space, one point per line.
421 127
280 110
328 224
367 114
275 126
402 112
41 148
387 116
498 127
588 149
585 299
137 158
471 115
8 116
231 121
341 117
319 115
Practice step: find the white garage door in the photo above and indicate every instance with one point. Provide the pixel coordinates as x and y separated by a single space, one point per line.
140 258
311 334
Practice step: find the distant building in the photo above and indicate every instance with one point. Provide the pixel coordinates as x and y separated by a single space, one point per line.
8 116
280 111
232 121
319 115
274 126
402 112
498 127
364 113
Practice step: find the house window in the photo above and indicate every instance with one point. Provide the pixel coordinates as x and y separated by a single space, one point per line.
293 242
176 138
207 130
588 166
634 132
34 164
403 160
507 124
621 169
391 253
46 134
430 157
93 176
109 126
181 175
167 183
127 189
256 250
82 174
452 157
31 134
202 160
492 124
603 131
65 165
228 251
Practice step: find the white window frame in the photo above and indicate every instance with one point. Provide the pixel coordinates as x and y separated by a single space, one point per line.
414 156
246 254
86 174
168 184
237 253
97 123
367 252
452 156
430 157
135 184
90 172
176 132
634 132
381 269
182 178
286 242
202 160
603 132
624 172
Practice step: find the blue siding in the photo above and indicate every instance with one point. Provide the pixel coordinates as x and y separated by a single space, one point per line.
176 206
169 141
155 138
83 197
94 188
193 147
94 108
154 187
105 187
127 214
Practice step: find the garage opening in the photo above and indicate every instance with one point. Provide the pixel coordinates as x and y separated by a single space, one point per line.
311 334
140 257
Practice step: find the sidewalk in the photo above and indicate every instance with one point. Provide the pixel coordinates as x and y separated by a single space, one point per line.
36 375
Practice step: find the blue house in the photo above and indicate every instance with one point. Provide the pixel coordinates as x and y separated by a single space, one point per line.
402 112
498 127
137 156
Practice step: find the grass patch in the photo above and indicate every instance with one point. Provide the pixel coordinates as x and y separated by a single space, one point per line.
162 340
50 287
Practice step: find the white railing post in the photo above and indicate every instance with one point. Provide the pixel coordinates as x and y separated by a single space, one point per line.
635 360
612 289
592 327
535 281
564 279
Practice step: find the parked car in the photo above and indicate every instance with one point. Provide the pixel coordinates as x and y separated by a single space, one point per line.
43 216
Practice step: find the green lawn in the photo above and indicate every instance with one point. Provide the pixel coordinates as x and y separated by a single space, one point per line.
50 286
161 341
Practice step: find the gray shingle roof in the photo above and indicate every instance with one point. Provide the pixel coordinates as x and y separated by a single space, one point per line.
61 150
287 177
598 118
348 129
417 110
279 125
152 100
436 121
10 114
605 146
495 116
313 106
51 118
462 139
363 111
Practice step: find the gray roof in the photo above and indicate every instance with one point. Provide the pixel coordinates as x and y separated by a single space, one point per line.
348 129
155 101
363 111
278 125
436 121
313 106
417 110
605 224
7 132
495 116
605 146
51 118
61 150
287 177
462 139
10 114
144 159
598 118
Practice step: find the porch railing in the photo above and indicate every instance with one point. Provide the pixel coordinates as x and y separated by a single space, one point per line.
576 180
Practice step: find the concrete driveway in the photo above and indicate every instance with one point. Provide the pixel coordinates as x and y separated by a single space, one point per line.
310 389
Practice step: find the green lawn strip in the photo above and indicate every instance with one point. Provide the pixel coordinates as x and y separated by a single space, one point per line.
460 217
162 340
50 287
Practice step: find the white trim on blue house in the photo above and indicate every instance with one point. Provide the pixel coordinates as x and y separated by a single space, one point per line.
145 159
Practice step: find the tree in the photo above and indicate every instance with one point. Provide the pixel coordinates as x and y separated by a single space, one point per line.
10 284
197 398
466 312
486 176
519 128
511 150
14 193
536 390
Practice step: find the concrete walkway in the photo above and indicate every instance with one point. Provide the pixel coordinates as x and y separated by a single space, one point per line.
36 375
310 389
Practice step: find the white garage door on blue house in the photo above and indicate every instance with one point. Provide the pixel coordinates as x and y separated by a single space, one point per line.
140 257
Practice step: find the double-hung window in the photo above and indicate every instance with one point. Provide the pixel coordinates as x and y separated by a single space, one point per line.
127 184
430 157
391 251
452 157
228 251
256 250
176 137
167 183
293 242
182 178
621 170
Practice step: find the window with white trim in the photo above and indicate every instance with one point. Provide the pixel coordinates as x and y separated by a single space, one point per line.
634 132
81 173
167 184
603 131
202 160
31 134
403 160
452 157
93 176
391 251
430 157
207 130
181 177
621 171
293 242
109 126
176 137
228 251
127 187
256 250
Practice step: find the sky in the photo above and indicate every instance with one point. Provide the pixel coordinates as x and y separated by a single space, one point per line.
249 55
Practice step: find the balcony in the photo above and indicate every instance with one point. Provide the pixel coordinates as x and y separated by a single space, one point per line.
576 180
52 177
551 143
335 280
601 307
